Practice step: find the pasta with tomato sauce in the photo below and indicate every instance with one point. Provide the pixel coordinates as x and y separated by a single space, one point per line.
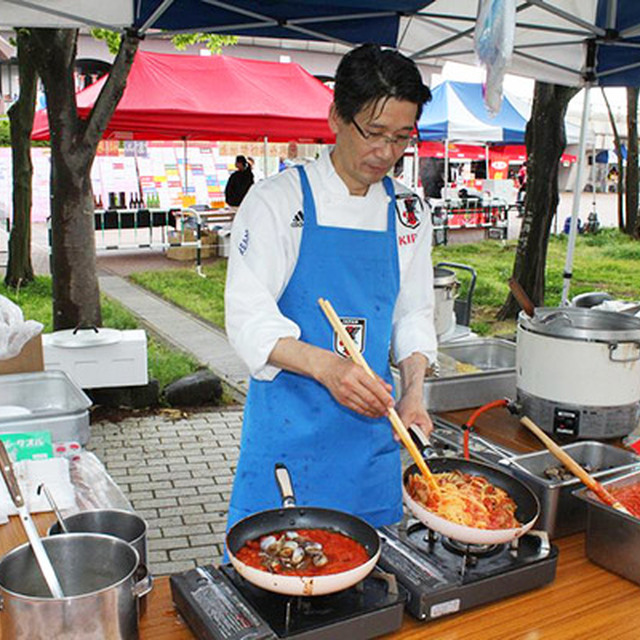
466 499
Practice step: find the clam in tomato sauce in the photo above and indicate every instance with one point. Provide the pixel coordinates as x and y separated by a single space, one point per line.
303 552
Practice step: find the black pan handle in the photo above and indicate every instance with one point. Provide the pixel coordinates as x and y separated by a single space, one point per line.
283 478
419 437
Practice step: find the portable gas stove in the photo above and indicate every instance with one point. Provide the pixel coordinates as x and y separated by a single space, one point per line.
219 604
445 576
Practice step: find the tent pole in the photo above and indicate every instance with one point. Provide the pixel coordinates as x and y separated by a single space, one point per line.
486 163
573 231
415 172
186 179
445 195
265 154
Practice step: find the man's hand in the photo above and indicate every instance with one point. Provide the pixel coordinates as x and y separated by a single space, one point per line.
354 388
346 381
410 407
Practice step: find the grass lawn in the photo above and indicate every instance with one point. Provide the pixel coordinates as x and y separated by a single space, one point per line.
609 261
165 364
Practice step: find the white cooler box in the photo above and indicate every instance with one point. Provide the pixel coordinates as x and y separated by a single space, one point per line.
98 358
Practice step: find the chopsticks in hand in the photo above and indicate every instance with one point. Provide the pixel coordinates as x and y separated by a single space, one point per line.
393 416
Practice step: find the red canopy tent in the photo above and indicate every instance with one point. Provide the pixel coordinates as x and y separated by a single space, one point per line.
172 97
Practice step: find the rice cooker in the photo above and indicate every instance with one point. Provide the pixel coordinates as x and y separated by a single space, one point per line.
445 286
578 371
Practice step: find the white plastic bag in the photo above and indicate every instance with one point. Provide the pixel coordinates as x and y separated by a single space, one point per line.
15 332
493 41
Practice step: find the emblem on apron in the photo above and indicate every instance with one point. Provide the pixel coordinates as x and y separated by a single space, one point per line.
356 329
410 210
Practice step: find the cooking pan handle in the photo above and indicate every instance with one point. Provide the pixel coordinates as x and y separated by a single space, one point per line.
419 437
613 346
283 478
545 546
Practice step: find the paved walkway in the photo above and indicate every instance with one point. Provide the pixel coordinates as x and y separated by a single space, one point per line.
177 470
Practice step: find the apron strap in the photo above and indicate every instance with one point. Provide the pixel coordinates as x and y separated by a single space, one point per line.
308 203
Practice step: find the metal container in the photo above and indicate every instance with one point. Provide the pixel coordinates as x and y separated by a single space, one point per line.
97 574
445 286
613 538
476 356
578 371
561 513
44 400
470 374
124 525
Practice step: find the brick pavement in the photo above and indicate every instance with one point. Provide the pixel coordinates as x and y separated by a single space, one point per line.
178 476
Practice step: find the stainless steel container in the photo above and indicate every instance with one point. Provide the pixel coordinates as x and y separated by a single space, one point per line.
97 574
471 373
561 513
124 525
44 400
613 538
445 286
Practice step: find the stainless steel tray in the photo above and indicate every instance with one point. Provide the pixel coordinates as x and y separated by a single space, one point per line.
44 400
561 513
475 357
612 538
492 375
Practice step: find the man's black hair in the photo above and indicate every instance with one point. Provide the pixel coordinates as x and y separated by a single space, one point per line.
243 161
369 74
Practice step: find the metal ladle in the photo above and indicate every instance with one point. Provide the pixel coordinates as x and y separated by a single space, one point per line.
40 553
54 506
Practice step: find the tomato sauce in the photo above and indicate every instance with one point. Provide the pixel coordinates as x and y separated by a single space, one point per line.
629 496
343 553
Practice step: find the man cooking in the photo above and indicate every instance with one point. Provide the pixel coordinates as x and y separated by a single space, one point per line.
337 228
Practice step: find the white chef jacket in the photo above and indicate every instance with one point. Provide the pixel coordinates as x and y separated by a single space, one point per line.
264 246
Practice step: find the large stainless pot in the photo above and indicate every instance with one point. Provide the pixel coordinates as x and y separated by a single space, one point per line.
445 287
125 525
97 575
578 371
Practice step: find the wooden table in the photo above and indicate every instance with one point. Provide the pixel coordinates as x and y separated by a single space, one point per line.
584 601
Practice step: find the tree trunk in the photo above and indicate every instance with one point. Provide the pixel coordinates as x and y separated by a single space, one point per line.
19 267
545 139
632 161
76 294
618 145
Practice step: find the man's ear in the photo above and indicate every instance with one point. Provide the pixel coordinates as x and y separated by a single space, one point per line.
334 118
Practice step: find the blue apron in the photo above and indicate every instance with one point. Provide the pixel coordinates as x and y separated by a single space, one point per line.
337 458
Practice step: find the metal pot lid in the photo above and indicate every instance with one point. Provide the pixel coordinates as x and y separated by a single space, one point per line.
582 324
443 277
81 338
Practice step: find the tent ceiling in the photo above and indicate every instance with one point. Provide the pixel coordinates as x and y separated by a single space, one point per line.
556 40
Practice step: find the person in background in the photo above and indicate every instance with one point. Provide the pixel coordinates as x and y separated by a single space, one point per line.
239 182
257 173
337 228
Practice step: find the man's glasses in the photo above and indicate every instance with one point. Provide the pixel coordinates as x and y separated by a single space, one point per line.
379 140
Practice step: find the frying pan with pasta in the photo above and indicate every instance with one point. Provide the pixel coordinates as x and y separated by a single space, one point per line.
528 507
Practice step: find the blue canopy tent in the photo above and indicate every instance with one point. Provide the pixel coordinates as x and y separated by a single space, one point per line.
457 112
608 156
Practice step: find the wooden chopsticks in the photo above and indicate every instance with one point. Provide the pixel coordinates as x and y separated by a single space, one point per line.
393 416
